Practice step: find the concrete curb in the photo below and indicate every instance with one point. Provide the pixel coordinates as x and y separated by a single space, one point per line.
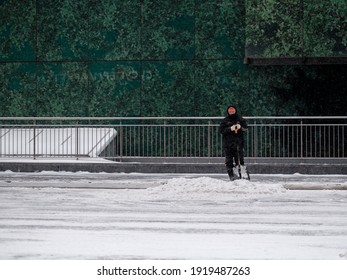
140 167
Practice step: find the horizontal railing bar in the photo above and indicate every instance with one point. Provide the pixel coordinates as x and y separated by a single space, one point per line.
165 125
60 125
173 118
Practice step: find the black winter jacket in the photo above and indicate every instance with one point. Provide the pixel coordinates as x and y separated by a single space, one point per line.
230 137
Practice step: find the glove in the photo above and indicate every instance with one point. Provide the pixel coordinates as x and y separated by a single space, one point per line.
235 127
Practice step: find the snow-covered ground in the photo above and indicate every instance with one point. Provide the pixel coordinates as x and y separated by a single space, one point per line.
63 215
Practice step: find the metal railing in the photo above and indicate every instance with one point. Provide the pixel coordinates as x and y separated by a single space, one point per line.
117 138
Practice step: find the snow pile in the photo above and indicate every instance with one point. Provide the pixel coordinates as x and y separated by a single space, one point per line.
214 189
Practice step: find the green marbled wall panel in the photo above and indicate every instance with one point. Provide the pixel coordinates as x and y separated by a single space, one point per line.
274 28
114 30
114 89
168 89
220 29
62 30
218 84
325 25
295 28
167 29
18 93
17 30
88 30
202 88
63 89
88 89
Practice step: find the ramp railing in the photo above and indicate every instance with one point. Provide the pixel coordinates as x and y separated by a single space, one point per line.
117 138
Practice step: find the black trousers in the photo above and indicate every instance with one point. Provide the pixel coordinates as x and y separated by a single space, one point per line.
234 154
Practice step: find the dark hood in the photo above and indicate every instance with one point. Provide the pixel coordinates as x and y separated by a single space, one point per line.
228 109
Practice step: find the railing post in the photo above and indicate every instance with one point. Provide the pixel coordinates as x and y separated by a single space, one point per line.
34 140
77 143
301 139
165 138
255 139
120 141
209 139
